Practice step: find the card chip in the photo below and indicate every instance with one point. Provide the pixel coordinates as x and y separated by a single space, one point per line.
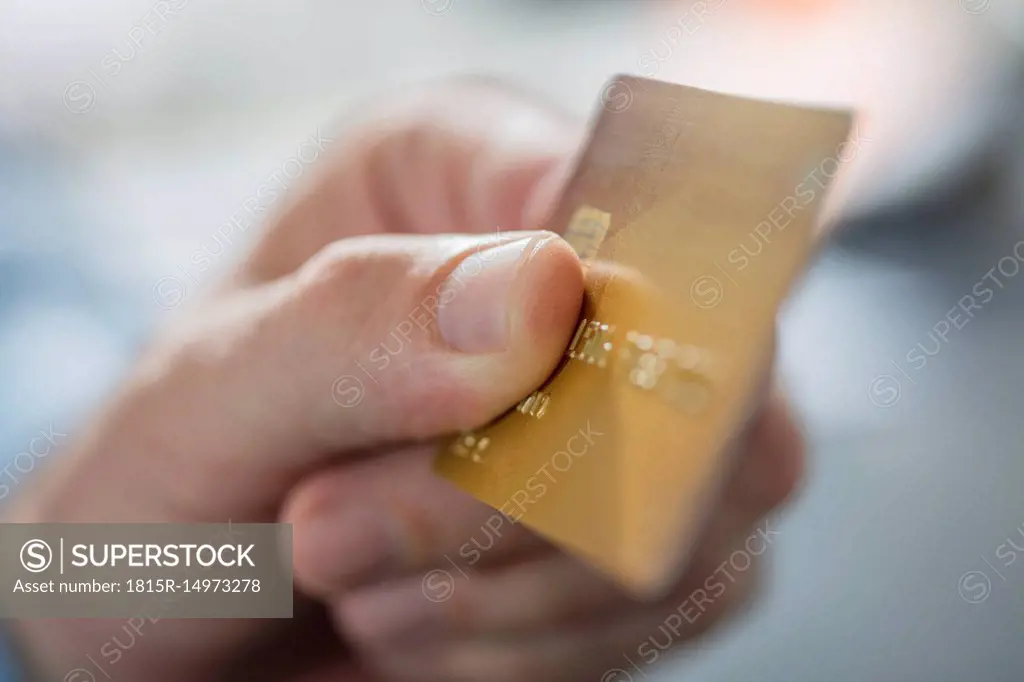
535 404
586 231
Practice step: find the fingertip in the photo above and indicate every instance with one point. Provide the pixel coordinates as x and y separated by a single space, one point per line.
508 323
519 298
339 540
778 452
550 297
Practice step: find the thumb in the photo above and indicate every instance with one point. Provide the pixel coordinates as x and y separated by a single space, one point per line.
432 334
381 339
375 339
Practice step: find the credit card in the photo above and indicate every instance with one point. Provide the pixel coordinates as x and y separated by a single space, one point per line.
693 213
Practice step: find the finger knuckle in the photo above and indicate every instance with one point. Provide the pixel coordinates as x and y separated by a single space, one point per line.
355 264
349 288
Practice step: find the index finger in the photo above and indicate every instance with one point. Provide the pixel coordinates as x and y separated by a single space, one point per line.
469 156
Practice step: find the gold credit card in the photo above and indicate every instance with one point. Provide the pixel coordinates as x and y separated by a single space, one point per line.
693 212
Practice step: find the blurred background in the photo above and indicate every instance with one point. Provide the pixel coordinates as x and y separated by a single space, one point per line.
131 129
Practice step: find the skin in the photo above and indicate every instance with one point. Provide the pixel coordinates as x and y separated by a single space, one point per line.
233 412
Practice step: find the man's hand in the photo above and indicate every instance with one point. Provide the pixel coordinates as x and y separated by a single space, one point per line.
394 302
